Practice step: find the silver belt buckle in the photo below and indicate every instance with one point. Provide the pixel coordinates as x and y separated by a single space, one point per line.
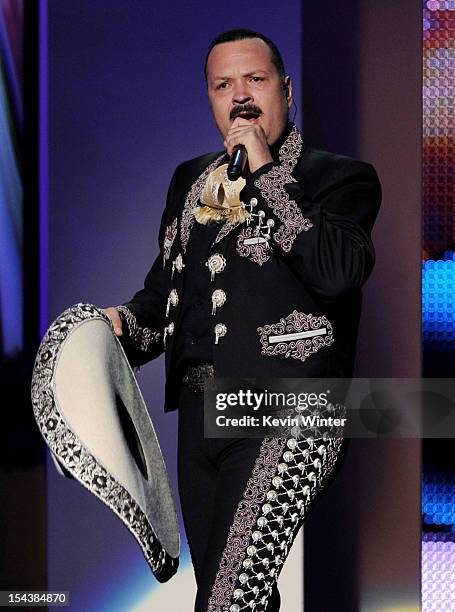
195 376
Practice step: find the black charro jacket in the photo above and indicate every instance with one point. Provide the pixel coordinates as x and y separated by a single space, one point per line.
292 308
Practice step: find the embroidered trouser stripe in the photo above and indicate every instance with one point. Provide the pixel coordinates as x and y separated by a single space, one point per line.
247 574
243 502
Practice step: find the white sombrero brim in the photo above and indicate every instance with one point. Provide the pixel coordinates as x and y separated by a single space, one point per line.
92 415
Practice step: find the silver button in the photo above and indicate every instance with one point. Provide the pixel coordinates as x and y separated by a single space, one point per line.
288 456
172 299
220 331
216 264
277 481
256 535
168 331
177 264
218 299
282 467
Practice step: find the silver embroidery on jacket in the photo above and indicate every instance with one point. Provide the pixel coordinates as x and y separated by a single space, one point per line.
191 201
299 335
169 237
142 337
272 188
258 251
227 227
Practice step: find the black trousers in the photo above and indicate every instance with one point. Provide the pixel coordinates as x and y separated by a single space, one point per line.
243 502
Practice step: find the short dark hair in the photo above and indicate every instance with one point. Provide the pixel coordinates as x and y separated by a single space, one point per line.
242 34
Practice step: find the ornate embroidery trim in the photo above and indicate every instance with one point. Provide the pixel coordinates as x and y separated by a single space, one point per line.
73 455
299 335
269 517
259 252
227 227
272 188
191 201
169 237
142 337
243 523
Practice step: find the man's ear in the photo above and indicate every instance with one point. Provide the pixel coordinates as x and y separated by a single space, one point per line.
287 87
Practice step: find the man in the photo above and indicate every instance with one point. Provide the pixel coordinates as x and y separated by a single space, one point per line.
255 278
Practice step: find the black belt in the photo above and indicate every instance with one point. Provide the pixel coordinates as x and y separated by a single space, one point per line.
195 376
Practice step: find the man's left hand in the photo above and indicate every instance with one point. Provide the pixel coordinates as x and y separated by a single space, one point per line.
252 137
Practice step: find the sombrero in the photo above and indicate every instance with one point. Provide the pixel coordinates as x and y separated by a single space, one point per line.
93 417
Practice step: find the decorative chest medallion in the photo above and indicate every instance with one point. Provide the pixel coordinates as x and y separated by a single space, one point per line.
173 300
220 331
178 265
218 299
216 264
168 331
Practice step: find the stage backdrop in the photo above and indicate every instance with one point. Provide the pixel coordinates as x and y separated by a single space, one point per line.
362 93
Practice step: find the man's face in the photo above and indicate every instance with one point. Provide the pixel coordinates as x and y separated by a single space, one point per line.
243 81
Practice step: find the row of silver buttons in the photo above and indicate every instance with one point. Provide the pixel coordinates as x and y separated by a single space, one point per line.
216 264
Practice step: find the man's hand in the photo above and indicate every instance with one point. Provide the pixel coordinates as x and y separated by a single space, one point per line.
252 137
114 316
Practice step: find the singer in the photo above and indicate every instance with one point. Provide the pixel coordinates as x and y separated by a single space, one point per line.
256 277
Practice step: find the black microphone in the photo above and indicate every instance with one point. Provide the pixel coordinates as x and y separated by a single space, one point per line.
237 162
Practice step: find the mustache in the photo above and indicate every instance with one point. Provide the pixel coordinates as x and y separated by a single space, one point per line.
244 108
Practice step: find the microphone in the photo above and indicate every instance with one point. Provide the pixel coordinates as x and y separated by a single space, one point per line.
237 163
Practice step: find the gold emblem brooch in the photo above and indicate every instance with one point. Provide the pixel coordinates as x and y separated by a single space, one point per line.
221 199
